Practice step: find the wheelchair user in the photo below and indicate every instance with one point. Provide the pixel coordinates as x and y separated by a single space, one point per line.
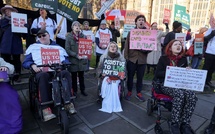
110 84
184 101
34 58
11 111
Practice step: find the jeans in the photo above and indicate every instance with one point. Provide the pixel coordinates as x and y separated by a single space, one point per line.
196 60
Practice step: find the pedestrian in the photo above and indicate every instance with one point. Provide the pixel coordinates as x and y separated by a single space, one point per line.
136 62
184 101
102 39
115 32
153 57
11 43
44 22
79 64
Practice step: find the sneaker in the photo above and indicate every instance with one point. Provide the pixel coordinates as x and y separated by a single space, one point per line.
70 107
140 97
174 128
128 96
186 129
47 114
210 129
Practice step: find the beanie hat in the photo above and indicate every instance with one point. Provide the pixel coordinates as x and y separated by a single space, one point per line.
85 22
176 24
103 22
75 22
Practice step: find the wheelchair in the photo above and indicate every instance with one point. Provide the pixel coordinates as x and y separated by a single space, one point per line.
155 103
60 95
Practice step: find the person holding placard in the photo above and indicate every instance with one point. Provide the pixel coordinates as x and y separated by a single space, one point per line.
115 32
46 51
11 43
136 62
102 39
79 63
184 101
110 84
153 57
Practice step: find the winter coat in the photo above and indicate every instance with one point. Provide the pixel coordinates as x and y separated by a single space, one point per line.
115 34
11 43
71 46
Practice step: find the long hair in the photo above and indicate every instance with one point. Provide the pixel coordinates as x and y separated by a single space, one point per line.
168 51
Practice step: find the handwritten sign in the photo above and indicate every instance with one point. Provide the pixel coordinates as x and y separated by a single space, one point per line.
113 68
199 43
18 22
104 39
143 39
85 47
166 17
49 56
190 79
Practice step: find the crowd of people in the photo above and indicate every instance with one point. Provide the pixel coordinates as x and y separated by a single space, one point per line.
170 52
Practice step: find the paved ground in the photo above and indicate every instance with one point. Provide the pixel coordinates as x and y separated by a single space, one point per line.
133 119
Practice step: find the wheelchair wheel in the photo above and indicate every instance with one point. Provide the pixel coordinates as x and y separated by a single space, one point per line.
64 122
149 107
158 129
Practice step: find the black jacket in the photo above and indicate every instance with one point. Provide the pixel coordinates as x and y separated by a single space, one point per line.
115 34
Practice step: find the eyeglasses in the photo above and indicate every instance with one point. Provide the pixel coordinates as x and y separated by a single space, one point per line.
43 35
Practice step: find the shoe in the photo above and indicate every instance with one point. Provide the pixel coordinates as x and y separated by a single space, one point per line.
174 128
210 84
140 97
128 96
47 114
70 107
83 93
186 129
210 129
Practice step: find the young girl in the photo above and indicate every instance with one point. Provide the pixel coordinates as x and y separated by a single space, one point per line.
110 84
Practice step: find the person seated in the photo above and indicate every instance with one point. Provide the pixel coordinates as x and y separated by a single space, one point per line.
38 54
11 111
184 101
110 84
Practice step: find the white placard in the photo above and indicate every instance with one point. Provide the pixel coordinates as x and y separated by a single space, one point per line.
18 20
180 36
190 79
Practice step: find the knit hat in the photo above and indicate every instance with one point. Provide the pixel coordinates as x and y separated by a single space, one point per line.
103 22
75 22
176 24
85 22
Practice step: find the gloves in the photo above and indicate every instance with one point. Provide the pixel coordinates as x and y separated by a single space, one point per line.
166 24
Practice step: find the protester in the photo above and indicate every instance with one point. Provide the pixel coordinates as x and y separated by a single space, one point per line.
34 58
136 62
110 84
115 32
79 64
184 101
99 39
188 35
44 22
153 57
11 111
11 44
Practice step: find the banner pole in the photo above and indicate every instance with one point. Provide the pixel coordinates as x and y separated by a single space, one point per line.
61 21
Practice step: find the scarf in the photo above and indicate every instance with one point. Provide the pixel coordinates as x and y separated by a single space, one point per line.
113 55
76 37
174 60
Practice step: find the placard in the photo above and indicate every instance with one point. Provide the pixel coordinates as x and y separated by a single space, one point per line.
104 39
143 39
127 28
181 37
113 68
85 48
166 16
183 78
117 22
18 20
199 43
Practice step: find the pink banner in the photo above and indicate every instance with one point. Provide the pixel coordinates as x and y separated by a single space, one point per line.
143 39
166 17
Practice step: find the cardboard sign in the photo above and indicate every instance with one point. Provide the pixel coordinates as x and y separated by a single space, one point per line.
117 22
113 68
85 47
104 39
166 16
182 78
49 56
199 44
18 21
143 39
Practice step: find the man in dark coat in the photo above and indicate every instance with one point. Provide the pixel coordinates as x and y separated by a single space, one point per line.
115 32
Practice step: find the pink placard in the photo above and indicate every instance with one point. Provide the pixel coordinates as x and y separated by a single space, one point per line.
143 39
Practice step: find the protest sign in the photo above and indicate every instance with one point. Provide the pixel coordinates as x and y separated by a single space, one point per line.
18 21
180 15
85 47
49 56
113 68
190 79
199 43
166 16
181 37
45 4
104 39
127 28
117 22
143 39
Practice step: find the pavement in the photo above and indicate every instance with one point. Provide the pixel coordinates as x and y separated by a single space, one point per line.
89 120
